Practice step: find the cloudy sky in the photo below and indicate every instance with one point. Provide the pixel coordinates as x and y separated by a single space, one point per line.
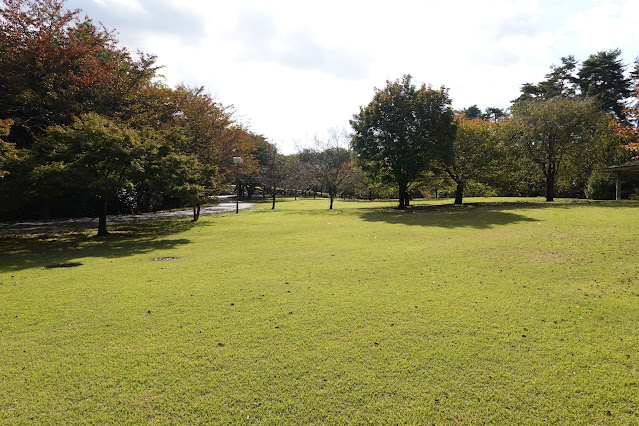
294 69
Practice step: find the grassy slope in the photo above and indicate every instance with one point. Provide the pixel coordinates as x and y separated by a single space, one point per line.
485 313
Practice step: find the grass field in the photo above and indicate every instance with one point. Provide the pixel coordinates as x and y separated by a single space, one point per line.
500 311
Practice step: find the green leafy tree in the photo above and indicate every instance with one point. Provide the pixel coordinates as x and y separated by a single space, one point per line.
100 158
602 77
550 132
55 66
494 113
401 131
472 111
168 170
8 150
561 81
476 153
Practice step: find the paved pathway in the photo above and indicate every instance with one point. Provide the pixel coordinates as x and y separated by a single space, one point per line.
225 205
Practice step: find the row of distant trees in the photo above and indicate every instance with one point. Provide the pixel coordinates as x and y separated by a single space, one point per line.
558 136
557 139
86 124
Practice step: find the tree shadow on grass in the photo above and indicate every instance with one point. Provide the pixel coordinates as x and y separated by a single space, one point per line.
63 248
478 216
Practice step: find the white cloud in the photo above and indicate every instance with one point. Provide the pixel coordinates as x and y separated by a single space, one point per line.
294 69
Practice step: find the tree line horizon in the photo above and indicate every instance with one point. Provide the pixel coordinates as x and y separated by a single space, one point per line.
88 127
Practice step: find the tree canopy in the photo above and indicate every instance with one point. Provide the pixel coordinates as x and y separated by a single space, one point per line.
476 153
601 77
59 71
329 162
55 66
550 132
401 131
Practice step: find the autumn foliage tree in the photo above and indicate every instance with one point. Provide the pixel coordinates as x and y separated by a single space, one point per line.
630 131
55 66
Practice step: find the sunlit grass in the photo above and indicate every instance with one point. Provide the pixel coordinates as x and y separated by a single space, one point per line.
499 311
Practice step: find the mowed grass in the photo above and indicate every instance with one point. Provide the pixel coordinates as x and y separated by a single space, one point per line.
500 311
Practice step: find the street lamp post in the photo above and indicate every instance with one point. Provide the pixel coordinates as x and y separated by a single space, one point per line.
238 161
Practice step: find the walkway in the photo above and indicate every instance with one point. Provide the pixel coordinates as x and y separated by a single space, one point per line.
225 205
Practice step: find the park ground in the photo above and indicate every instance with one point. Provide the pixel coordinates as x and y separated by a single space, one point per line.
499 311
224 204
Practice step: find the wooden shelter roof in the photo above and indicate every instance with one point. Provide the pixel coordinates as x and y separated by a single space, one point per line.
628 168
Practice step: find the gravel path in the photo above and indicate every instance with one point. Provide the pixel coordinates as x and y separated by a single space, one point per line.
225 205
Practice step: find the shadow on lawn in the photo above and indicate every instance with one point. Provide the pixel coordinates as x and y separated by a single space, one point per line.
63 248
479 216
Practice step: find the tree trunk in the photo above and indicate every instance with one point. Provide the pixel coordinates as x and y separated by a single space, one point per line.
550 187
196 211
330 207
403 196
102 224
273 207
459 193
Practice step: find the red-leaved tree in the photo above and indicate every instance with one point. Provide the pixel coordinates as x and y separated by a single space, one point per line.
55 66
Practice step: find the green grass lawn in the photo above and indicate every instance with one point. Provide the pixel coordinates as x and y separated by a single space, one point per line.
500 311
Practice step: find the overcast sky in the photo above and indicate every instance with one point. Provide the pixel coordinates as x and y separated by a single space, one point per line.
294 69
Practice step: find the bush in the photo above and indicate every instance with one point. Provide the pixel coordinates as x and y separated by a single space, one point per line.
600 186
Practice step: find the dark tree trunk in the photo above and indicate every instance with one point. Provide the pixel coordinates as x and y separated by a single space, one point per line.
459 193
403 196
330 207
550 187
273 207
250 190
550 182
102 216
196 211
